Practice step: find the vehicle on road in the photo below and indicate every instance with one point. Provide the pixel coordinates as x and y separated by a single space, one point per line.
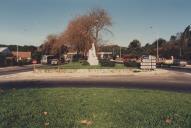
47 59
181 63
54 62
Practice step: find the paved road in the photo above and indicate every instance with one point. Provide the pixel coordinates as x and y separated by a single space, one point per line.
15 69
179 69
100 84
180 81
171 84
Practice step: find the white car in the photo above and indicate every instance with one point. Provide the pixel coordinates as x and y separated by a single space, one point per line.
54 62
181 63
46 59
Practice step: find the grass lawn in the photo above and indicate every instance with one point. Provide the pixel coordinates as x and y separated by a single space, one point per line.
94 108
77 65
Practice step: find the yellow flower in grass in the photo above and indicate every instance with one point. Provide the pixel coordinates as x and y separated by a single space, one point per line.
45 113
46 124
86 122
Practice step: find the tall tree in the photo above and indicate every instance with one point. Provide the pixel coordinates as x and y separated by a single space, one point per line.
134 44
81 32
173 38
134 48
101 21
49 45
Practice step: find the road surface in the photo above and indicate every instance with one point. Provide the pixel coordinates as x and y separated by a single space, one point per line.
176 79
15 69
179 69
154 85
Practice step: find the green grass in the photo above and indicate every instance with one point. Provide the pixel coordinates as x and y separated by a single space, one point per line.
77 65
105 108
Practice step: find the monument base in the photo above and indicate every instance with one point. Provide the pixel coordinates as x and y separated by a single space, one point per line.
93 61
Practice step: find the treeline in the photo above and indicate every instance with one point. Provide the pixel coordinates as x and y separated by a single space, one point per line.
25 48
166 49
178 46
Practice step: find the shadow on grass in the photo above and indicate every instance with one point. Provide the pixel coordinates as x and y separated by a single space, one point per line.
96 84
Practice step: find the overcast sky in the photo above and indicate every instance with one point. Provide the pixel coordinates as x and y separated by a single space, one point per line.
30 21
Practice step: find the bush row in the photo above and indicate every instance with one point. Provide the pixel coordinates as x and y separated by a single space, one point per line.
131 64
84 62
108 63
23 62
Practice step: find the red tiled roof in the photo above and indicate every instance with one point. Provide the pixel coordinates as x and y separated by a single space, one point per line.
23 55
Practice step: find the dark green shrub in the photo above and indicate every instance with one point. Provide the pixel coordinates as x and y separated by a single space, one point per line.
107 63
78 57
131 64
165 65
23 62
2 60
84 62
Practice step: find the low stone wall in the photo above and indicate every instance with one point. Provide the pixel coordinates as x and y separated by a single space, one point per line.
88 72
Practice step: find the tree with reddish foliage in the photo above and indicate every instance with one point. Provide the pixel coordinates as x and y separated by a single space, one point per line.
81 32
84 30
47 47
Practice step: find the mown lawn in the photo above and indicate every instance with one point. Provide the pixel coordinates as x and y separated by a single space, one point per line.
94 108
77 65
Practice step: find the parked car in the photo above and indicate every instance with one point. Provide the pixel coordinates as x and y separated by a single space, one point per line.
46 59
130 58
181 63
54 62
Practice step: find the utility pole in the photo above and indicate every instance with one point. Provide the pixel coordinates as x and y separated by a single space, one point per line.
180 52
96 32
157 44
59 61
17 53
120 52
113 51
157 49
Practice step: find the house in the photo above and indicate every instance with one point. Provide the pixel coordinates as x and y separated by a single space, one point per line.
5 56
103 55
5 51
22 55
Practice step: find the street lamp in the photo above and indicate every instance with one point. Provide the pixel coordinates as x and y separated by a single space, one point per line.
97 21
120 52
157 44
157 49
17 53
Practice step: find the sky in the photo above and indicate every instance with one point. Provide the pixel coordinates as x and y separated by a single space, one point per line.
28 22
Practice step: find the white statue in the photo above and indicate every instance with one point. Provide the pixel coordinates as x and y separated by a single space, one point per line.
92 58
